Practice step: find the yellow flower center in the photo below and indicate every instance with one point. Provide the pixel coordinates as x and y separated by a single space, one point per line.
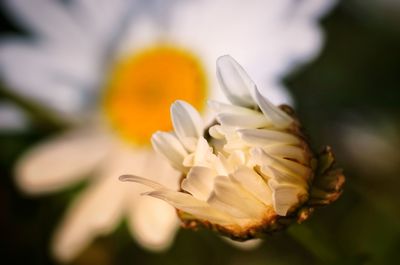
142 87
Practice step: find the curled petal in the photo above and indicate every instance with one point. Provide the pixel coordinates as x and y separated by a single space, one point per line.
147 182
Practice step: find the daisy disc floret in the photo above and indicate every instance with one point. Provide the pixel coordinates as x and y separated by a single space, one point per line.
251 172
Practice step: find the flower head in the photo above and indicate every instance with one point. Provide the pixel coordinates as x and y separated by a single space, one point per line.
251 172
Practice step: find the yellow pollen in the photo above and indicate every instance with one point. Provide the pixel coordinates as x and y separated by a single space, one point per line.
143 86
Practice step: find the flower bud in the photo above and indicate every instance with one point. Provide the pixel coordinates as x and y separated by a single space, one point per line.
250 173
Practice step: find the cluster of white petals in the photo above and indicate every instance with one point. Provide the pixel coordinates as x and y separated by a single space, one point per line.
246 168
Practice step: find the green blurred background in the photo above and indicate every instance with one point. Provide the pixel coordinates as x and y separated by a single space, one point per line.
349 98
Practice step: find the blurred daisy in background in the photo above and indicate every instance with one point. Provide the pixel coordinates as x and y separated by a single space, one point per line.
111 69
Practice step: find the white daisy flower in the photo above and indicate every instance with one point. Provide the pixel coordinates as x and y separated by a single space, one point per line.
249 174
112 68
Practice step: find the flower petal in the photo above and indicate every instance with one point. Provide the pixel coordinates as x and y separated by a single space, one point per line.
46 18
284 197
235 82
287 151
187 123
93 213
267 137
169 146
283 170
145 181
153 223
234 200
56 78
191 205
256 120
102 18
253 183
62 161
277 116
199 182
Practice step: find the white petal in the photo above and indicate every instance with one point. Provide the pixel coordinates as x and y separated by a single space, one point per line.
52 77
256 120
219 107
267 137
286 151
46 18
62 161
202 156
277 116
147 182
253 183
282 169
187 122
169 146
282 177
234 200
216 133
102 18
234 81
151 222
284 197
196 24
199 182
93 213
235 159
191 205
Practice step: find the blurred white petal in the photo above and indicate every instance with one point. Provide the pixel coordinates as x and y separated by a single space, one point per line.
280 35
142 33
52 77
103 19
62 161
95 212
47 18
153 223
